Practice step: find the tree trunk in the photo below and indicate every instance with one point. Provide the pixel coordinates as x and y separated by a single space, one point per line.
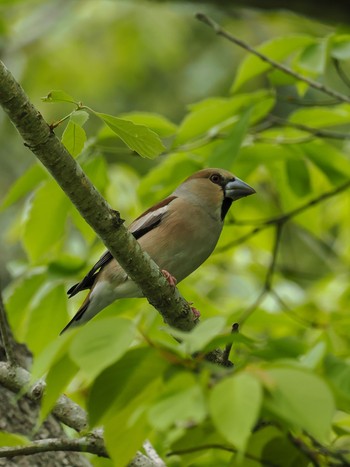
20 415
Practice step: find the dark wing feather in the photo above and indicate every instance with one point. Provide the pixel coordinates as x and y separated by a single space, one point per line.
142 225
89 279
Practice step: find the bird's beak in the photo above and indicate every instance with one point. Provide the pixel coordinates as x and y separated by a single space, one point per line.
236 189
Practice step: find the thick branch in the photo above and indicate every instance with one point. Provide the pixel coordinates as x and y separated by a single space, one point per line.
91 205
67 411
17 379
84 444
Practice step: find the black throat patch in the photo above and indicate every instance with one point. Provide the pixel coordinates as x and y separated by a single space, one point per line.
226 204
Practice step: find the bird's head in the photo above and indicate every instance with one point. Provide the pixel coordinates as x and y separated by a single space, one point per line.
214 189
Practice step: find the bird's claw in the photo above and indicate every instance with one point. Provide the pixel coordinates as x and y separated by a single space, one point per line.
195 311
170 279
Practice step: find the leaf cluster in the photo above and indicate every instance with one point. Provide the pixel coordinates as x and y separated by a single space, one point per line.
287 399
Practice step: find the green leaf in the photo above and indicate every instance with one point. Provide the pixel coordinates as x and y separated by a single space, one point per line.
313 357
139 138
215 114
201 335
298 176
296 397
80 117
234 406
180 407
165 177
19 297
118 385
45 221
198 435
277 49
276 449
340 46
320 117
96 169
66 265
126 429
74 138
338 374
313 58
158 123
58 96
12 439
225 153
100 343
328 159
53 353
265 153
47 317
24 184
58 378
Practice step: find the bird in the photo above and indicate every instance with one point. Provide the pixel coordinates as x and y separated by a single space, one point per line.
179 233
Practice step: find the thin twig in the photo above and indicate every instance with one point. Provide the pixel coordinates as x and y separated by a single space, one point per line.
283 218
279 66
308 102
5 336
337 455
305 449
268 278
272 268
293 315
226 354
280 140
318 132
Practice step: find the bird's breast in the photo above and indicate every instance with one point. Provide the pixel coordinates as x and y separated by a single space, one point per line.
179 245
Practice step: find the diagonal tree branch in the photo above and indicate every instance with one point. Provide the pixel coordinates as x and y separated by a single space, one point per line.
17 379
102 218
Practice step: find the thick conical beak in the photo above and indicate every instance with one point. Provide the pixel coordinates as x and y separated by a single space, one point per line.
236 189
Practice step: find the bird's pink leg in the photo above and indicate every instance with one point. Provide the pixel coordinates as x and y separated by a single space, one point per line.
196 313
171 279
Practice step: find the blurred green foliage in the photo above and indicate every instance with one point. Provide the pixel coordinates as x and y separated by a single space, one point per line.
198 101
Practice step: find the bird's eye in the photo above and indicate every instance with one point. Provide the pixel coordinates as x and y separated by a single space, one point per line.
215 178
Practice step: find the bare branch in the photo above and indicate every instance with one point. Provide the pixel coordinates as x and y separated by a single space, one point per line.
279 66
89 443
152 454
68 412
71 414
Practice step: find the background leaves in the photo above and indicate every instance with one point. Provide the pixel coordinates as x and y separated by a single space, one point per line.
164 94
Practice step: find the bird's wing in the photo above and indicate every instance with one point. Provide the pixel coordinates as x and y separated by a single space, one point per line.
142 225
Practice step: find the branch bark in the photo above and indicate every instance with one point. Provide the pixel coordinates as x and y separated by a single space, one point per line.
95 210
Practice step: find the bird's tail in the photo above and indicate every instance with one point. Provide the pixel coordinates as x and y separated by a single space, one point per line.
76 320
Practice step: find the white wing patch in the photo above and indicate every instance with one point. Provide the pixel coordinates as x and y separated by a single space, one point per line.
148 219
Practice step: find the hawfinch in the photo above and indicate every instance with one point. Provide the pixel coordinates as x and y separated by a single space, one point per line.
179 234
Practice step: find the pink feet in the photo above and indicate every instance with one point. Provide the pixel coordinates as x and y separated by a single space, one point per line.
171 279
196 313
